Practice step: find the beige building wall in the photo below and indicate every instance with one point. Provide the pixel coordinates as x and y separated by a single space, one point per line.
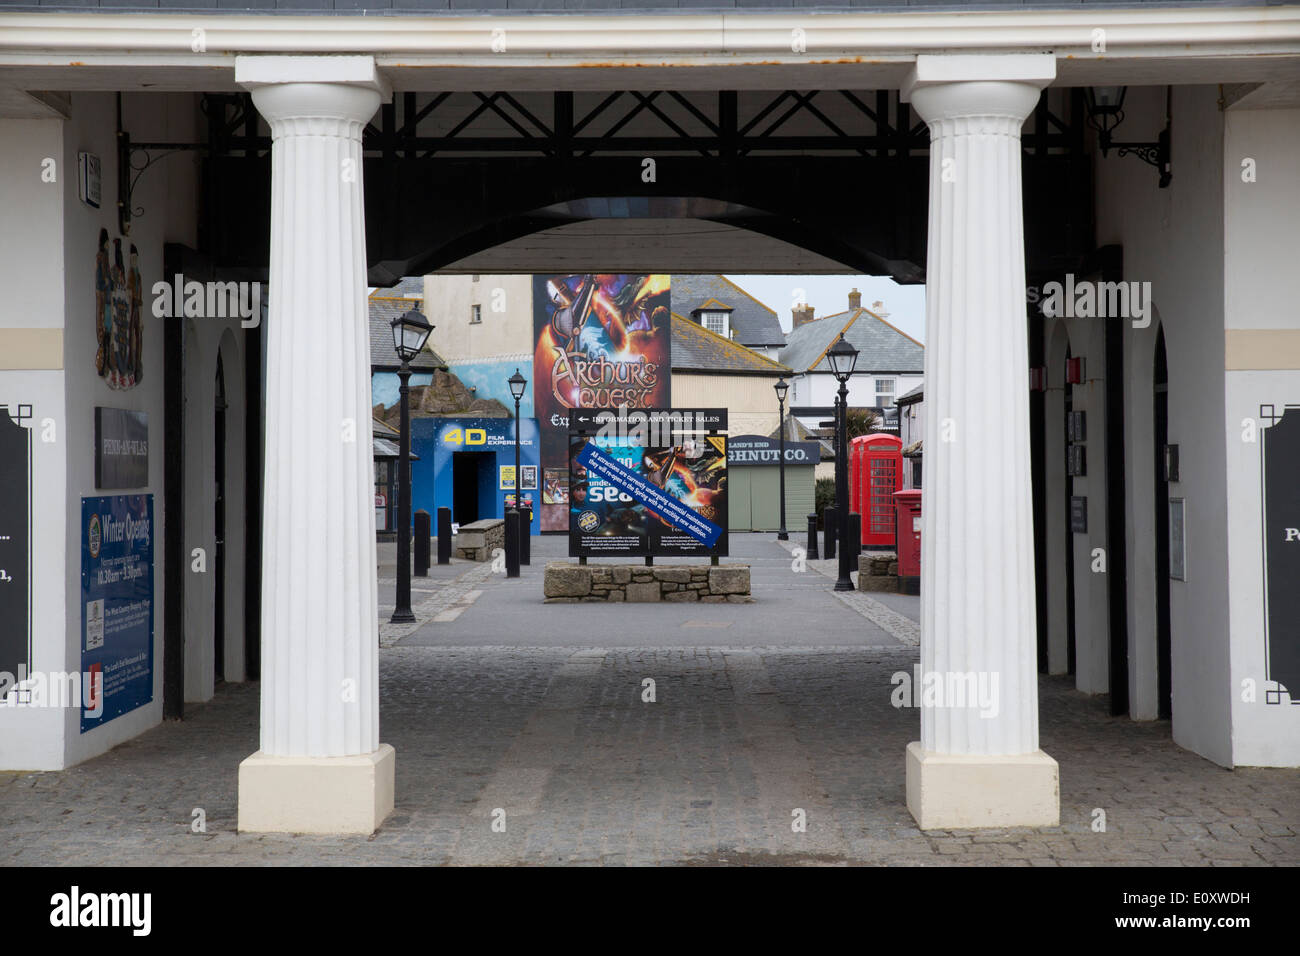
749 399
505 306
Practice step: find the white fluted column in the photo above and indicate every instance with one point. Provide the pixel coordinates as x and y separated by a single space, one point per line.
978 761
321 767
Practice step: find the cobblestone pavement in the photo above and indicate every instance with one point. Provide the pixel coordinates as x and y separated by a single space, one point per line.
709 773
759 710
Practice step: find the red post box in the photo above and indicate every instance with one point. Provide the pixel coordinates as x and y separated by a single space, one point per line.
908 505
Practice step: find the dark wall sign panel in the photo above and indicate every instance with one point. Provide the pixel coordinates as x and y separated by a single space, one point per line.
121 448
15 541
762 450
1280 448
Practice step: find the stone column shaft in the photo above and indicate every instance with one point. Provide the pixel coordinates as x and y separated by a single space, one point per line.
978 626
320 632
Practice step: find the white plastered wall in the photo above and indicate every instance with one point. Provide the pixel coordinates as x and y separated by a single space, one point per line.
48 266
31 272
447 304
1261 292
1173 238
92 128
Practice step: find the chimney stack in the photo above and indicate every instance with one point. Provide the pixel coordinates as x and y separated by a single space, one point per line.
802 314
855 299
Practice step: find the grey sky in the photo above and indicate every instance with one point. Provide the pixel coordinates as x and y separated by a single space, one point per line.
830 294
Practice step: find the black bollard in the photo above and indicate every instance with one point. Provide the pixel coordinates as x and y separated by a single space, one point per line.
830 525
854 544
525 536
813 553
512 543
444 536
422 543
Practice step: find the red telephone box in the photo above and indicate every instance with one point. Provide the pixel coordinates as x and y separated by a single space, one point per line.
909 541
875 473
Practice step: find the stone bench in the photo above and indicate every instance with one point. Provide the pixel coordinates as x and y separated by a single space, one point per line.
567 583
477 540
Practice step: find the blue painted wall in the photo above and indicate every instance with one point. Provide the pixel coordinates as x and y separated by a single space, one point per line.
436 440
491 379
384 386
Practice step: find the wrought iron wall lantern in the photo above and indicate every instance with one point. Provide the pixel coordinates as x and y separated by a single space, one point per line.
1105 113
129 170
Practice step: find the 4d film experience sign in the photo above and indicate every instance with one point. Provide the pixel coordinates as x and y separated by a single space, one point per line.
638 492
117 536
602 341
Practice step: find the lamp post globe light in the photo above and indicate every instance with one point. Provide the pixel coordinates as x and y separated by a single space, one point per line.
517 385
842 357
410 332
781 387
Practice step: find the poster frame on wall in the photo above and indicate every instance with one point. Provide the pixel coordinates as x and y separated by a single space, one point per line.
15 543
117 582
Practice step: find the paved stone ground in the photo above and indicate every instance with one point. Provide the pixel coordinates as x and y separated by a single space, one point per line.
743 731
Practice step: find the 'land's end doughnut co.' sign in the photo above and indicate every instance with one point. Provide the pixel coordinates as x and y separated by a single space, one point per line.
758 450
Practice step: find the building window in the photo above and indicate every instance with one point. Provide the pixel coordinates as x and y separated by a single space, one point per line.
715 322
884 392
473 278
475 314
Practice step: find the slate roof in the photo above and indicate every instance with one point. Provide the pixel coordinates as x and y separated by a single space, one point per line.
696 349
796 430
409 287
915 395
754 323
882 347
386 305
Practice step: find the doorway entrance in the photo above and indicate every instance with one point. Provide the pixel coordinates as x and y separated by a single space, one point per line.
219 531
1069 527
471 484
1164 637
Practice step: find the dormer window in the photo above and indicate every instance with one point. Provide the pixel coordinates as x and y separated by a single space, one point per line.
719 322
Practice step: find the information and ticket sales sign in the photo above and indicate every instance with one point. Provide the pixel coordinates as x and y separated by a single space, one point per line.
601 466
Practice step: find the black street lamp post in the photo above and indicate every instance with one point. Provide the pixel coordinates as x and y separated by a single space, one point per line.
842 357
410 332
517 384
781 387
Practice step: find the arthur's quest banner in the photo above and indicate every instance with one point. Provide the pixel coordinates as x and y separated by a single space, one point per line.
602 340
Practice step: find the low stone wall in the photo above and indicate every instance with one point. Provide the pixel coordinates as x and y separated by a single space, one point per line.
476 540
877 571
568 583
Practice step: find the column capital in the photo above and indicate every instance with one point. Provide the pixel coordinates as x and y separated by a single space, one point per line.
947 87
252 72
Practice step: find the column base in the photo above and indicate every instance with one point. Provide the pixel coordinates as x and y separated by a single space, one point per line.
961 792
342 795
